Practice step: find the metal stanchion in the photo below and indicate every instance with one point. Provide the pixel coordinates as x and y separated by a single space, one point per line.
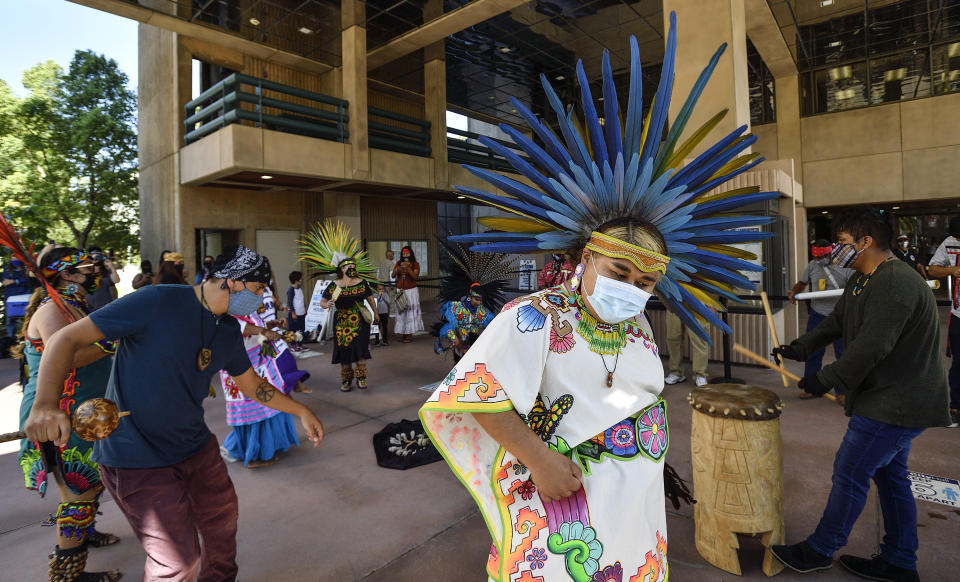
727 378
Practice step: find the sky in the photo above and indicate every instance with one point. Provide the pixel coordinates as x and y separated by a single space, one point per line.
33 31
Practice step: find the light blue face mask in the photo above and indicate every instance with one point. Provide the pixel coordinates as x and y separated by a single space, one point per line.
244 302
615 301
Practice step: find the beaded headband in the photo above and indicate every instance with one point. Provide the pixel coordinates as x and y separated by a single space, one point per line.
645 260
77 259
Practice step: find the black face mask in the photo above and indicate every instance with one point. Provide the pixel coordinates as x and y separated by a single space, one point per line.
91 282
351 272
208 265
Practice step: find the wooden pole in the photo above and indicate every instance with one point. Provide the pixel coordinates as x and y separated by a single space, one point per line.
773 331
765 362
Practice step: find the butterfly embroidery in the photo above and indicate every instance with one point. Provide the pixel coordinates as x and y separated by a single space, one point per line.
544 420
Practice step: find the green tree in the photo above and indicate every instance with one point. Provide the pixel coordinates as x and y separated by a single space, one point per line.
69 156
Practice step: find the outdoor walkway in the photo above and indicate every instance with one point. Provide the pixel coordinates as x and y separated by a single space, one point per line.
331 514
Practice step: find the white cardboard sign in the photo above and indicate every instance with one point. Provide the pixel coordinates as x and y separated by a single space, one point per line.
936 489
317 316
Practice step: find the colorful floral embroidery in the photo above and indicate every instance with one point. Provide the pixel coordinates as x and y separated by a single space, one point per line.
644 434
519 469
80 473
612 573
527 489
561 344
621 438
655 565
652 426
537 557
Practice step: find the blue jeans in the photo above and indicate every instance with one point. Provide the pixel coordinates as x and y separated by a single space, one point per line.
815 361
872 450
13 326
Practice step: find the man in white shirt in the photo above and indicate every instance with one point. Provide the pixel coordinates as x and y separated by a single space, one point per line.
946 262
385 268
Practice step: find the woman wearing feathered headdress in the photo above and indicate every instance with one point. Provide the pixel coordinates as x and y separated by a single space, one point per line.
330 249
554 419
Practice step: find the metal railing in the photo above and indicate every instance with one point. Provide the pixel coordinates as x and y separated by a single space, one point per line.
469 151
321 116
394 138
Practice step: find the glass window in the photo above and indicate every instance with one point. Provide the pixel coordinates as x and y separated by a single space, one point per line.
840 88
899 77
946 68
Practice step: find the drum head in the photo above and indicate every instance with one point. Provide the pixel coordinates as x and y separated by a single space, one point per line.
740 401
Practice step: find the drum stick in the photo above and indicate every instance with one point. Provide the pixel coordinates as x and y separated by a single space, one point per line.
765 362
773 330
933 283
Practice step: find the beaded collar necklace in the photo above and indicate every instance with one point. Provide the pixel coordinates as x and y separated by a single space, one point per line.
862 279
602 338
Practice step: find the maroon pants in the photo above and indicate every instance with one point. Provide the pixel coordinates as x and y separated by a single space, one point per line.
168 506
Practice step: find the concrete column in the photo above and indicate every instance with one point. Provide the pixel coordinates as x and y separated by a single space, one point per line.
164 85
345 207
435 98
354 42
789 144
702 25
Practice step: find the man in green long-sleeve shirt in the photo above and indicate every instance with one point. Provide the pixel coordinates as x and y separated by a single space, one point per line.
893 374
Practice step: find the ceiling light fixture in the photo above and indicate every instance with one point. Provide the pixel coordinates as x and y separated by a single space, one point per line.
825 3
833 44
505 49
266 177
305 30
460 197
896 208
824 211
559 77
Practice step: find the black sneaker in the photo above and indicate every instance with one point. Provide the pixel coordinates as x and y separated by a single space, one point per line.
801 558
878 569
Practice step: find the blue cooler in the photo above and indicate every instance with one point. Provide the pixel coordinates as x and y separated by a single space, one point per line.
17 305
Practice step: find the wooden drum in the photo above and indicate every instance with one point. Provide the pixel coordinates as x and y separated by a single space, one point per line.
737 472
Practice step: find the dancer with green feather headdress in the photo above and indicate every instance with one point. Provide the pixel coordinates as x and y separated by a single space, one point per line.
330 249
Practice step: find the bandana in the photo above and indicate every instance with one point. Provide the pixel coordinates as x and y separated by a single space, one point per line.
173 257
246 266
820 251
475 291
645 260
77 259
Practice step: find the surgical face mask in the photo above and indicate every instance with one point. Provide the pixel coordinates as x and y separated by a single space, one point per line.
244 302
844 255
904 245
615 301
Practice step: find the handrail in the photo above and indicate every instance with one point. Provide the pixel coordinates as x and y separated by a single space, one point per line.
477 154
203 116
383 136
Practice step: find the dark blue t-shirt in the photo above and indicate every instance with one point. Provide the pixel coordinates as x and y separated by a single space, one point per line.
155 374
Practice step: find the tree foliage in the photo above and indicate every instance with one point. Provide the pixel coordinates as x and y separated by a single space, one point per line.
68 154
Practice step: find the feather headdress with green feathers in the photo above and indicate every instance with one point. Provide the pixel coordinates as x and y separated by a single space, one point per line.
329 246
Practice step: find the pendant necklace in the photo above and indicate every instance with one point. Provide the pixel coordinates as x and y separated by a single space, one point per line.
609 371
205 355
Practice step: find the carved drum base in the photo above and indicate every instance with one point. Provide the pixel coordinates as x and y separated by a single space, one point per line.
737 472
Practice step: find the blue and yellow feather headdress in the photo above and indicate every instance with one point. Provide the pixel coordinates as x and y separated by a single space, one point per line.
627 171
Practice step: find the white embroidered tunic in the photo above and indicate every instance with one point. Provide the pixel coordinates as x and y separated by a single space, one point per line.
549 361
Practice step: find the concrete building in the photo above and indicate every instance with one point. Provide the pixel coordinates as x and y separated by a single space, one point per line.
338 108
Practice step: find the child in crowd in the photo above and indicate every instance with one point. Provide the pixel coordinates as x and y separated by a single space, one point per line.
298 310
384 307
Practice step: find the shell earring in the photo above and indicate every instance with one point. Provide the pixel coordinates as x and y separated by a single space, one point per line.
71 289
575 279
